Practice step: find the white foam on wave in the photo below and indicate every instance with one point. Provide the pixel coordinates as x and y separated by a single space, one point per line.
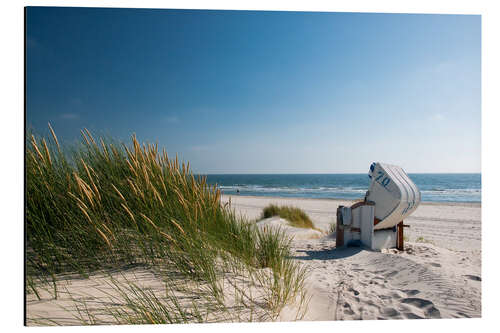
264 189
434 194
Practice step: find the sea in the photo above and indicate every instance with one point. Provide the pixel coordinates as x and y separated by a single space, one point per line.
433 187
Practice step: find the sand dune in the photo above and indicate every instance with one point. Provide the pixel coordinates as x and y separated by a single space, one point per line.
455 226
438 275
296 233
354 283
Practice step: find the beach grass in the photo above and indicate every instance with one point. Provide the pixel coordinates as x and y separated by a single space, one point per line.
332 227
103 205
421 239
295 216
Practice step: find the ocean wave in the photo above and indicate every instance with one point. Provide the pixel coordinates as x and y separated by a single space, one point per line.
289 189
445 187
452 191
265 188
469 194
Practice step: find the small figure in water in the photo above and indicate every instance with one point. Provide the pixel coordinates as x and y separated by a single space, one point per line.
238 191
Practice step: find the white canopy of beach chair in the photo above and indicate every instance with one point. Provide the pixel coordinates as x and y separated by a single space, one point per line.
394 194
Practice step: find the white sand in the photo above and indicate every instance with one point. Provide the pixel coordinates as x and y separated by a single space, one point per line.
438 276
99 296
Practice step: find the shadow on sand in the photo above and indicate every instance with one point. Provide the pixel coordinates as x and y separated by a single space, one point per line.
330 254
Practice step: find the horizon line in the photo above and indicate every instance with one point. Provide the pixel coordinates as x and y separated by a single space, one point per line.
335 173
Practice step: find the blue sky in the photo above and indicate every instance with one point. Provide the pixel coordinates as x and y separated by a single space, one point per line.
263 92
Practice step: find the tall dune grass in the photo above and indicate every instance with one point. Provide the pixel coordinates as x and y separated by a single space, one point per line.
107 205
295 216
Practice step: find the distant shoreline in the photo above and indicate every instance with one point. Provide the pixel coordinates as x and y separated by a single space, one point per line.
451 188
429 203
329 174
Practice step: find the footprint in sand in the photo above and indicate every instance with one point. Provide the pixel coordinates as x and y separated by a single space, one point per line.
473 277
461 314
354 291
391 274
396 295
348 309
389 312
410 315
430 311
410 292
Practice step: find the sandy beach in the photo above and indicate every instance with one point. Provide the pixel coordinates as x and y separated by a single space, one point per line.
437 276
256 164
